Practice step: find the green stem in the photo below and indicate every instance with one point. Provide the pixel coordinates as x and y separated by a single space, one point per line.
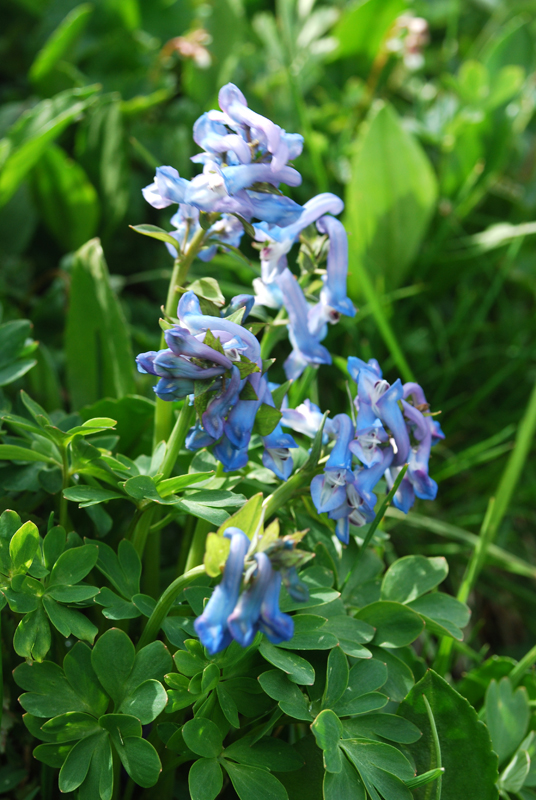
283 493
177 438
161 610
64 516
437 746
197 548
141 531
522 666
1 674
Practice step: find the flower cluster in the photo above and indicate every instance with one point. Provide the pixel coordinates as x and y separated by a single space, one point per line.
392 428
244 161
230 615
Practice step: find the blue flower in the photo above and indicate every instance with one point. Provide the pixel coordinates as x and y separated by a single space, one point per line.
307 349
231 457
240 421
214 137
219 406
258 608
212 626
328 491
245 301
277 444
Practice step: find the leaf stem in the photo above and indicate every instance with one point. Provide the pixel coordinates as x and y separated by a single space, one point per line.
64 514
522 666
437 746
197 547
164 604
177 438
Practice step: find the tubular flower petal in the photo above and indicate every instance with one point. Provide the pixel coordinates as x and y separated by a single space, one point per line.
274 623
333 294
212 627
243 622
276 454
307 418
231 457
217 409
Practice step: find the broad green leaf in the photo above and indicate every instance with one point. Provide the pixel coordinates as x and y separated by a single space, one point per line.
47 691
9 524
360 694
134 421
66 199
515 773
210 678
97 328
203 737
351 633
390 198
250 783
310 633
269 752
327 729
466 750
53 755
152 662
90 495
73 565
209 289
216 553
297 668
227 705
146 702
69 621
266 419
23 547
72 594
122 569
28 139
442 614
396 625
216 516
112 659
142 487
180 482
380 767
71 726
249 519
384 726
507 716
120 726
399 676
292 701
344 784
76 766
205 779
337 673
59 42
81 676
32 637
140 760
99 779
412 576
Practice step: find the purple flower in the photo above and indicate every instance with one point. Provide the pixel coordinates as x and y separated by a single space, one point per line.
328 491
232 458
240 421
214 137
277 444
274 623
306 419
212 626
218 408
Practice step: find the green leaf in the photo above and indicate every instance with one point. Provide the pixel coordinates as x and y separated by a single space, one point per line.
216 553
156 233
81 676
23 547
344 784
327 729
60 41
361 29
140 760
227 705
203 737
310 633
466 751
122 569
205 779
73 565
33 132
97 328
269 752
390 198
72 594
380 767
337 673
297 668
53 755
112 659
99 780
32 637
386 726
399 676
396 625
71 726
266 419
90 495
360 695
11 452
248 519
76 765
180 482
47 690
412 576
514 775
146 702
250 783
209 289
442 614
507 716
66 199
210 678
68 621
351 633
292 701
142 487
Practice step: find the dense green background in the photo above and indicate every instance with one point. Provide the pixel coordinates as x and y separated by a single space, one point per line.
437 167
